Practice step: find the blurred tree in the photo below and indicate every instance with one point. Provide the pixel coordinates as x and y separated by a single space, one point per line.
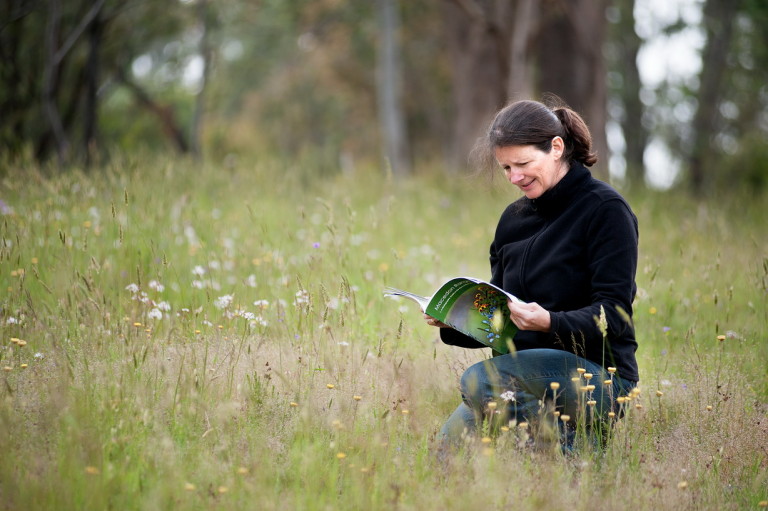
506 50
719 21
478 44
204 23
389 88
715 122
569 50
624 44
52 93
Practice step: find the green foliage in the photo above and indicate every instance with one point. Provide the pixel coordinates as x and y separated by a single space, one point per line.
276 376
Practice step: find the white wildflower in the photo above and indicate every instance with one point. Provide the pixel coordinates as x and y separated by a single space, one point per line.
251 280
261 304
223 302
153 284
214 265
508 396
198 284
302 298
133 288
207 323
155 314
11 321
198 270
259 321
248 315
39 356
164 306
343 343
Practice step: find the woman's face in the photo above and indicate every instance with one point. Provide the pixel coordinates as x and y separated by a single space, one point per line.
533 170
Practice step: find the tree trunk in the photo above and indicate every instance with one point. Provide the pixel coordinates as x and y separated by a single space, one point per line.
524 26
719 18
635 134
92 88
50 80
206 53
389 89
572 65
480 48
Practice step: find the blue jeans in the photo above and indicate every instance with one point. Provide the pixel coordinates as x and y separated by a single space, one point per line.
529 374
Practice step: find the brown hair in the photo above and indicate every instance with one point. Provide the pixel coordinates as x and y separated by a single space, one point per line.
533 123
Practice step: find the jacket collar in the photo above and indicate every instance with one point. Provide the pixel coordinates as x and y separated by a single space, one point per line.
557 198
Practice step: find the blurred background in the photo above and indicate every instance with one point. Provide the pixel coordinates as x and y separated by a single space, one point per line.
675 91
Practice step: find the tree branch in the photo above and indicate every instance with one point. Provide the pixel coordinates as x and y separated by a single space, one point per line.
164 113
78 31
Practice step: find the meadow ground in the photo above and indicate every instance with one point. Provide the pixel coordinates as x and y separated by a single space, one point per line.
215 337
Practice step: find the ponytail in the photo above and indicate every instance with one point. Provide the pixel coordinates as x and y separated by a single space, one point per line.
578 140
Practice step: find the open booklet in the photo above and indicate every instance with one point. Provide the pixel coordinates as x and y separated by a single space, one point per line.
471 306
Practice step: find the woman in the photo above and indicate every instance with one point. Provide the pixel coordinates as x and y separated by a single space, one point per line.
568 248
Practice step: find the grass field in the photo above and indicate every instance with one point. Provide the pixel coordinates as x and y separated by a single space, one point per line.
214 337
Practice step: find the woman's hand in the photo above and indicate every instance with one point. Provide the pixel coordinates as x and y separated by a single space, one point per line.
529 316
433 322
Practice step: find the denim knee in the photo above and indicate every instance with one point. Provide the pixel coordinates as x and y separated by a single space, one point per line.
473 384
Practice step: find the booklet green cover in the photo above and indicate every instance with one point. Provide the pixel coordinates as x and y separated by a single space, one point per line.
473 307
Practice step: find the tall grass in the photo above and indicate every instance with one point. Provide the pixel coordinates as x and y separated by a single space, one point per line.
197 337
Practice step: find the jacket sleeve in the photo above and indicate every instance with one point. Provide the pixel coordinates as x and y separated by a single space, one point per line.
612 263
456 338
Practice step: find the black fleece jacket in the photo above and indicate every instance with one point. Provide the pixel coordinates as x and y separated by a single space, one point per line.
573 250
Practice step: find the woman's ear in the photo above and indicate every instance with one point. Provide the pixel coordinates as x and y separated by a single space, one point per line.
558 147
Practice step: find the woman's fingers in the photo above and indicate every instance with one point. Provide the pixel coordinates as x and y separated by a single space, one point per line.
529 316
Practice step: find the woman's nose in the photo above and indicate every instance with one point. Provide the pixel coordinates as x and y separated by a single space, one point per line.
513 176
